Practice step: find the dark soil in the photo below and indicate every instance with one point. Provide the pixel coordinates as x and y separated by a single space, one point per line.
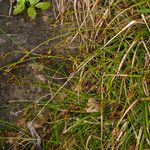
19 34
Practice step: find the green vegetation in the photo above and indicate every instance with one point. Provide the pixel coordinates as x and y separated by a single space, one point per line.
104 103
32 5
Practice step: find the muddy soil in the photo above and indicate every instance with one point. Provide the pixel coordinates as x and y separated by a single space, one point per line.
19 34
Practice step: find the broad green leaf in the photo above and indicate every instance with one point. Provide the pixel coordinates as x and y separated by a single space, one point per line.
32 12
33 2
43 5
18 9
21 2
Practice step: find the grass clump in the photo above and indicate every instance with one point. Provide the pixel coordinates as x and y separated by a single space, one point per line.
103 101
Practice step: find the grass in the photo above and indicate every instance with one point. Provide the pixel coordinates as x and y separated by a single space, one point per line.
111 65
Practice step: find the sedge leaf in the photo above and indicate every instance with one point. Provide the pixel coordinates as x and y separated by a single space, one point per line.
43 5
145 10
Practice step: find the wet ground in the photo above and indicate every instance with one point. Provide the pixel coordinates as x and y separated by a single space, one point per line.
18 79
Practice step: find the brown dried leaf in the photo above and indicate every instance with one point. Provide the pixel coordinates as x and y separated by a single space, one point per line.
11 140
41 78
114 115
78 88
39 122
147 60
131 147
10 136
21 122
61 96
63 113
92 105
115 132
